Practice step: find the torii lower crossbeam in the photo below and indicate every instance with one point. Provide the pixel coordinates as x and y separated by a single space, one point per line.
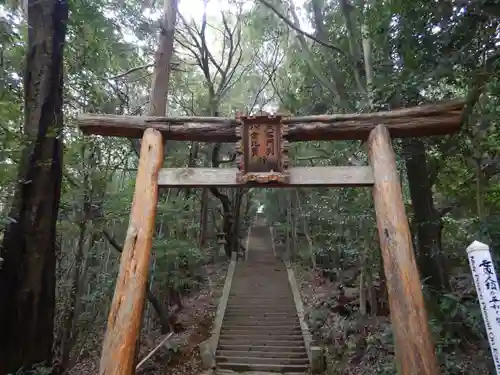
349 176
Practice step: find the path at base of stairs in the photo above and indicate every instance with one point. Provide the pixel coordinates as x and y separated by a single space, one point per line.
229 372
261 331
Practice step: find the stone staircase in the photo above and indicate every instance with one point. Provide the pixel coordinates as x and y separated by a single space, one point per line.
261 330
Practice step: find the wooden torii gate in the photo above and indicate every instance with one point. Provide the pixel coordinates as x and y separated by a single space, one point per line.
262 145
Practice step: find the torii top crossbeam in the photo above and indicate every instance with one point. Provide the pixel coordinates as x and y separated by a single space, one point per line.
426 120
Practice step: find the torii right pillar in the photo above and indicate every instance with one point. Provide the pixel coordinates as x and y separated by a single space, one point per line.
414 347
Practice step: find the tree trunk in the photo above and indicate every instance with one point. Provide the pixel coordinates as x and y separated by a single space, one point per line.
362 283
27 281
293 224
235 246
227 212
203 218
193 157
164 53
70 310
427 221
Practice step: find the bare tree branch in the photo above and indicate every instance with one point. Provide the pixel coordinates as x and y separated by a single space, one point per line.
304 33
173 66
162 316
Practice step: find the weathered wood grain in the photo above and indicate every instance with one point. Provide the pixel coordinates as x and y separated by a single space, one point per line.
437 119
125 316
414 347
299 176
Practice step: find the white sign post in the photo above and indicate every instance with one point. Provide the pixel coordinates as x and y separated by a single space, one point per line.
488 293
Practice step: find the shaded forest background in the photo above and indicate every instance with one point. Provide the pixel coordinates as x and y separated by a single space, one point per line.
308 57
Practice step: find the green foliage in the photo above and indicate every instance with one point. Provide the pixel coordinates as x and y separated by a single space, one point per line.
179 262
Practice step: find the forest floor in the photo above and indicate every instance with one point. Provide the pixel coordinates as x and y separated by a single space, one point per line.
358 344
354 344
180 354
197 318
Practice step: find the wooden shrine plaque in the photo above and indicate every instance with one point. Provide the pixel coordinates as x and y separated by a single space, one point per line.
262 150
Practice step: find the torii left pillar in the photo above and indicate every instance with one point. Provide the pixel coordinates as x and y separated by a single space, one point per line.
125 316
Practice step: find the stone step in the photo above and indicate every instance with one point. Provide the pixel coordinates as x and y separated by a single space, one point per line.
258 328
268 322
255 340
265 317
295 348
271 283
248 311
260 303
282 292
271 263
261 313
240 321
261 299
262 360
264 320
278 276
269 325
255 309
260 341
262 333
273 270
280 281
261 306
260 336
253 292
261 326
271 273
261 262
258 297
261 367
263 354
265 286
268 313
276 336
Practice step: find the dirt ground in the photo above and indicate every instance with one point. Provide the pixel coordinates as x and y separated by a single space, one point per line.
180 354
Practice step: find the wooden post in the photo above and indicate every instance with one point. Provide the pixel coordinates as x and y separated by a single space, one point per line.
414 348
125 316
